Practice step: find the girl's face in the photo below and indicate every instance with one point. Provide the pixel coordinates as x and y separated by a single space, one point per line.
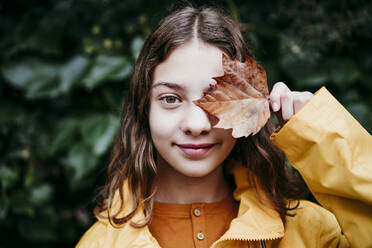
181 131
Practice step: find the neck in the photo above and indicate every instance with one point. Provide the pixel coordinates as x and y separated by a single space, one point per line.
174 187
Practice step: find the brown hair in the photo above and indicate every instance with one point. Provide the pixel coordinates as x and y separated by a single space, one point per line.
133 157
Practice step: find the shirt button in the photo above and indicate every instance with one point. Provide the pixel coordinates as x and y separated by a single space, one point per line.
200 236
197 212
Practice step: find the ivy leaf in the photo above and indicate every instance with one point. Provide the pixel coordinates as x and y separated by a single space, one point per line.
99 132
107 67
8 176
240 99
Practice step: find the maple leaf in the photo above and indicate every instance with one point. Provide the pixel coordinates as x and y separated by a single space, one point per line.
240 98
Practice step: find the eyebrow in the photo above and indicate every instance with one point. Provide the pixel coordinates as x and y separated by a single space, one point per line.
177 87
174 86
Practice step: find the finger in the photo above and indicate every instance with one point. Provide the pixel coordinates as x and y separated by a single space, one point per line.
280 117
287 105
278 89
300 99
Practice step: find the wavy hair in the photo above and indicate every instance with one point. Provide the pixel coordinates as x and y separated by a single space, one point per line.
133 156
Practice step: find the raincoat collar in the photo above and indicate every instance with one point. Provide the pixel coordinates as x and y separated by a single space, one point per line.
256 220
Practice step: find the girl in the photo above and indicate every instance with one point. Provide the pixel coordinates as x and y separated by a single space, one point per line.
176 181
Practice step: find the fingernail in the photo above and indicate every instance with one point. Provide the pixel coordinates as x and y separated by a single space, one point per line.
275 107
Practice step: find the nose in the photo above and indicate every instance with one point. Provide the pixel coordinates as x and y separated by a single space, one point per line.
195 121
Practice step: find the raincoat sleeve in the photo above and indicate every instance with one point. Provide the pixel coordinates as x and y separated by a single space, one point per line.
333 153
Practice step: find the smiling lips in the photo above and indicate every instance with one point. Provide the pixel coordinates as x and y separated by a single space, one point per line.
195 150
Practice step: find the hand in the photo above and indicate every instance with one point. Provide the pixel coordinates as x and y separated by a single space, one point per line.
286 103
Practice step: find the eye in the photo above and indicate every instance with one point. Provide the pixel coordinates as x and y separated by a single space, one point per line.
170 99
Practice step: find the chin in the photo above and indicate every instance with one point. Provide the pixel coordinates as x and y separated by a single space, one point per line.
196 170
195 174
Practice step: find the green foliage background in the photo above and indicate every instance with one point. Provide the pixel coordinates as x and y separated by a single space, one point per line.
64 65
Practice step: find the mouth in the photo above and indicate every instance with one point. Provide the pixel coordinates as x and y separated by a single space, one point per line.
195 150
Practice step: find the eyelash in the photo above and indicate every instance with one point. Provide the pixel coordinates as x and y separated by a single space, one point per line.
163 99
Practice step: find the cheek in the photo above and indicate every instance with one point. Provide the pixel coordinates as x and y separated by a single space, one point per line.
229 140
162 126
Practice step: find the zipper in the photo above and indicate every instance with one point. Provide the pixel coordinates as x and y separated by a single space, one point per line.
262 241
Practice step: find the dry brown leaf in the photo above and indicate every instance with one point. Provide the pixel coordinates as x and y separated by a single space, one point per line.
240 98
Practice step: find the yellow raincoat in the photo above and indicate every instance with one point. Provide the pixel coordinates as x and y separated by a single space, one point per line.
332 152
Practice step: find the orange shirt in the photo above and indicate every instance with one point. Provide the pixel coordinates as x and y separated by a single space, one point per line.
191 225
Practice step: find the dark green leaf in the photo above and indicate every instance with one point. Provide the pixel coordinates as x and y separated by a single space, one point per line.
38 78
41 194
136 46
4 208
63 135
99 131
72 71
8 176
79 162
107 67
